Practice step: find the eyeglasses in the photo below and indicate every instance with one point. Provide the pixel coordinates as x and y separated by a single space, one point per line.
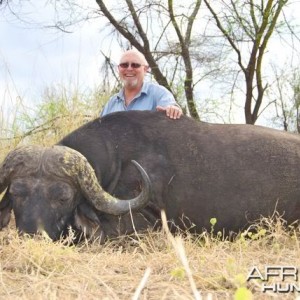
126 65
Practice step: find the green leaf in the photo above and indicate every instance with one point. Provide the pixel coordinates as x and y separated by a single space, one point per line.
213 221
243 293
178 273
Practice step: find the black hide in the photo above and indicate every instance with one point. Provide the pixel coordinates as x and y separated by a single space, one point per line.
199 171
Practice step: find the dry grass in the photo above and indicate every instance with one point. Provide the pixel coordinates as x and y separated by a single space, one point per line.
36 268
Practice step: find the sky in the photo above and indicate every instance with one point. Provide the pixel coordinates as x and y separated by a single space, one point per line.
33 58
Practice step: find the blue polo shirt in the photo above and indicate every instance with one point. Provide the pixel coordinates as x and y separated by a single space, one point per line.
150 96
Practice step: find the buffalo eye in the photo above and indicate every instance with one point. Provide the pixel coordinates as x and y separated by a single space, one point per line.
19 188
61 194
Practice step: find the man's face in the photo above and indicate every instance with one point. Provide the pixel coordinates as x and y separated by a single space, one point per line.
132 70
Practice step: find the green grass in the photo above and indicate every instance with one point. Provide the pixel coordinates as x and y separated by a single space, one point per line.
57 113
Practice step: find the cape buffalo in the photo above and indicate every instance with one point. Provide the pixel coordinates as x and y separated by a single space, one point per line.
197 170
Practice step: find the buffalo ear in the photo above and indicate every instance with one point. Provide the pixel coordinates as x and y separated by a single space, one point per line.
5 211
87 222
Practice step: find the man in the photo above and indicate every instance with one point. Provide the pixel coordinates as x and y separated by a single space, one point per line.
138 94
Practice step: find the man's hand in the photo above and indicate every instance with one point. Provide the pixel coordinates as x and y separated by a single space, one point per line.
172 111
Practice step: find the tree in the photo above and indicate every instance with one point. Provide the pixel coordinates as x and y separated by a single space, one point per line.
248 24
287 99
184 47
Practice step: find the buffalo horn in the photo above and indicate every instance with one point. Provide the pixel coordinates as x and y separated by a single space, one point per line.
66 162
77 166
12 161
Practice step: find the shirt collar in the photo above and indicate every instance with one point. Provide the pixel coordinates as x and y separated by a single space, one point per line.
144 90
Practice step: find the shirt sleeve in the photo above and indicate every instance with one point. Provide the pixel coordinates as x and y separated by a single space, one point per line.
104 110
164 97
109 107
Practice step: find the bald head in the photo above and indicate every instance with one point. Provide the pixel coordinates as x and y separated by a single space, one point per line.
135 55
